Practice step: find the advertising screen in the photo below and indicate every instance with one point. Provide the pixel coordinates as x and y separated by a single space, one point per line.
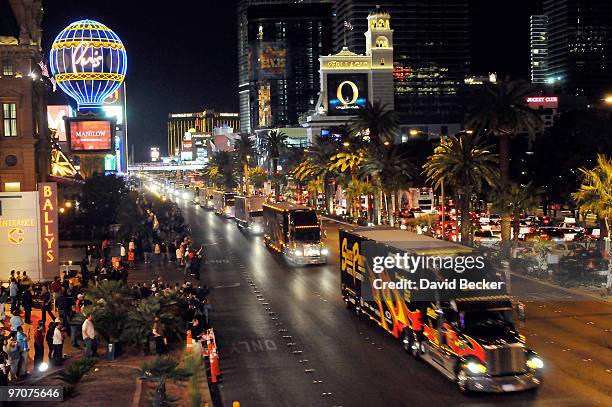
346 93
55 118
94 136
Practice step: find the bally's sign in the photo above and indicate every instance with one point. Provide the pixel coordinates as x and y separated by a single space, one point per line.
29 233
346 93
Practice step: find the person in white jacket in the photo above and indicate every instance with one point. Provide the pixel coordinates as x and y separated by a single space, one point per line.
89 337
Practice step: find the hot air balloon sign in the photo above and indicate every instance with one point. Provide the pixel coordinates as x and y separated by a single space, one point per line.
88 62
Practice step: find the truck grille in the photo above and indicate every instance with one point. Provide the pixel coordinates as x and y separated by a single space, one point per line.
312 250
507 359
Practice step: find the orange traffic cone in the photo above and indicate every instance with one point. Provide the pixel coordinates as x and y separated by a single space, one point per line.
189 339
215 369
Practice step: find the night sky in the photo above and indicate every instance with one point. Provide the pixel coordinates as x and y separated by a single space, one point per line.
182 54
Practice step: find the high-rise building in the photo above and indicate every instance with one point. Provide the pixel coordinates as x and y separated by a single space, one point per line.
278 50
580 46
431 56
539 48
24 142
182 125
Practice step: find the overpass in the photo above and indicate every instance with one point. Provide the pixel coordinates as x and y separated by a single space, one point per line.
164 167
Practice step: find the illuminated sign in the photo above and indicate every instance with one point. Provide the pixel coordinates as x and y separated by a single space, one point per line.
55 120
181 115
93 136
272 60
15 236
348 64
546 102
110 162
346 93
47 203
88 61
114 112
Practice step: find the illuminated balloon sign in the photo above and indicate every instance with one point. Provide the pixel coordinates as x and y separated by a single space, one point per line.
88 62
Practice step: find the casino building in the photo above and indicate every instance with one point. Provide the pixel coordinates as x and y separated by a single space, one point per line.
200 122
349 80
24 145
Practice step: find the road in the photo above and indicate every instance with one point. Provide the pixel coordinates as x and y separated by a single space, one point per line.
286 338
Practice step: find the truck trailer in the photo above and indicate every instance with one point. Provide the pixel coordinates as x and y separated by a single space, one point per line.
295 232
223 203
249 213
466 330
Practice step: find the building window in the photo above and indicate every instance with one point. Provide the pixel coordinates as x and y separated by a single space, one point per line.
9 119
7 68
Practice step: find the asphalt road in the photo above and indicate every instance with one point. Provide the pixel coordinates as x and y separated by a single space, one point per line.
286 338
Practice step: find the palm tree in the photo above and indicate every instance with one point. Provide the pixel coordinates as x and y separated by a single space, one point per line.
391 170
355 190
111 301
501 110
515 199
377 121
315 166
274 140
258 176
244 150
159 371
351 161
595 195
225 175
465 163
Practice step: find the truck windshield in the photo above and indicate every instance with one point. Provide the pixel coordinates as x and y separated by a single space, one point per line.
255 214
229 199
306 226
487 322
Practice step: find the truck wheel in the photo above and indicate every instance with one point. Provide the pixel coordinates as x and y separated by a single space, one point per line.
411 344
462 379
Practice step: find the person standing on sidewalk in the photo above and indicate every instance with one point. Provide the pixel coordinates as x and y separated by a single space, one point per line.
123 252
159 333
12 350
4 297
171 252
24 349
74 327
15 321
39 344
89 336
147 249
14 294
58 344
157 253
49 339
27 300
46 300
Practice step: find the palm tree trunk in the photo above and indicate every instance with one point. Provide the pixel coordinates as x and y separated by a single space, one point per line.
516 226
392 209
504 166
275 172
464 203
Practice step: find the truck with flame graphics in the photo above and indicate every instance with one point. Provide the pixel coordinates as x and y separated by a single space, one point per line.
467 335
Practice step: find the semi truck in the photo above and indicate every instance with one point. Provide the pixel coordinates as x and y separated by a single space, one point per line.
466 331
206 198
249 213
295 232
223 203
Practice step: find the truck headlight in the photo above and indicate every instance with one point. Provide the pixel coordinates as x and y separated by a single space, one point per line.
257 228
476 368
298 253
185 195
535 363
324 251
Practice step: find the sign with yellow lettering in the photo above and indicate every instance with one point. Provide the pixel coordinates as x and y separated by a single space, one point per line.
49 239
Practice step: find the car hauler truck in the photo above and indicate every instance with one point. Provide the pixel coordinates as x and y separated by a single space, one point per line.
223 203
249 213
206 198
466 332
295 232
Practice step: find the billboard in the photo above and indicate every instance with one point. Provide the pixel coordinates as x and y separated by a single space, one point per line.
271 60
346 93
55 120
29 233
545 102
90 136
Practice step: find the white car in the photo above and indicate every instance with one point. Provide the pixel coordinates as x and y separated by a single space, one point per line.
486 238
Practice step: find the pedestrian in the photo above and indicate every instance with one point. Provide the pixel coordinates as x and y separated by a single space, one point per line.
75 327
12 350
49 339
157 253
164 252
4 368
146 249
62 306
159 333
123 252
46 300
16 321
171 252
205 308
27 304
58 344
89 337
24 349
14 294
4 297
131 258
85 276
39 344
56 287
25 282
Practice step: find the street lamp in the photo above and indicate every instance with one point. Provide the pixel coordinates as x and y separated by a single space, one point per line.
346 144
608 100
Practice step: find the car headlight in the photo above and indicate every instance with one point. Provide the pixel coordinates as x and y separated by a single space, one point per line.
298 253
257 228
476 368
185 195
535 363
324 251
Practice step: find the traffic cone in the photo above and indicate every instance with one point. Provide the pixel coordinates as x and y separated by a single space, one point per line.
205 352
215 369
